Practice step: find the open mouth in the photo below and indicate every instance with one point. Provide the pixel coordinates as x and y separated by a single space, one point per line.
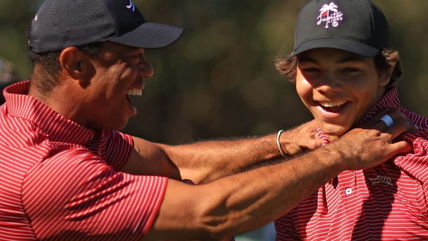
333 107
132 93
135 92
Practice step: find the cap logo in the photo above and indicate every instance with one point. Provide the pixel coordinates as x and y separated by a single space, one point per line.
329 14
131 6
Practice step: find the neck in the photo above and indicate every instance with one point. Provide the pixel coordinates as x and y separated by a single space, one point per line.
59 98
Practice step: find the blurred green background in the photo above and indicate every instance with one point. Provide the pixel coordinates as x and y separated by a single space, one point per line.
219 80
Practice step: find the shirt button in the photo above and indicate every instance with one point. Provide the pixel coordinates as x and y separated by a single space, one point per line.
348 191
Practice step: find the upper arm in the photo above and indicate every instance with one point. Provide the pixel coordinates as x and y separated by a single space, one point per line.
149 158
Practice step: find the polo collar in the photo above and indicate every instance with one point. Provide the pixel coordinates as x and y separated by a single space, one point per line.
56 126
389 101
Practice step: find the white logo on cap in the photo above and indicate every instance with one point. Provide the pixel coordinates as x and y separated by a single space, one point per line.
330 15
131 6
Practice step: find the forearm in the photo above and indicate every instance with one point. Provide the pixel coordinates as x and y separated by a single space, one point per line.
200 162
206 161
279 188
245 201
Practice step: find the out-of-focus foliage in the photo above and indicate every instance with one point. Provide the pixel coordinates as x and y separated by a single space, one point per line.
219 79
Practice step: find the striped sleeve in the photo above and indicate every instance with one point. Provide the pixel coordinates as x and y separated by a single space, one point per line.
285 229
77 196
117 148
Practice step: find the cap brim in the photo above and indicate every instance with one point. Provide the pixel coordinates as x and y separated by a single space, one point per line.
150 35
342 44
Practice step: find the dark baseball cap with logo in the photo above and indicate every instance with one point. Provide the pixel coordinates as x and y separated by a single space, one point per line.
356 26
62 23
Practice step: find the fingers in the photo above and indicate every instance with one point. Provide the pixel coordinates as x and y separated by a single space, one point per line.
310 126
392 122
332 138
314 144
400 147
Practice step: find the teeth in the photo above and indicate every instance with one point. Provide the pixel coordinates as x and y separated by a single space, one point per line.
332 104
135 92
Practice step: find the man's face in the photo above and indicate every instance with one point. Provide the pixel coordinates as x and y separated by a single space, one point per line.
338 87
119 73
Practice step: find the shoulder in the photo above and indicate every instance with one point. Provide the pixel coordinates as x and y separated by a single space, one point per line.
417 120
62 163
415 163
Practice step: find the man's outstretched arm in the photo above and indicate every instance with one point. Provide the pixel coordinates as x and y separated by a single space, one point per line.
209 160
242 202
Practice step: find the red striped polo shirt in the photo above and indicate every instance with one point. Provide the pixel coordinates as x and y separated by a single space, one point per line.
62 181
387 202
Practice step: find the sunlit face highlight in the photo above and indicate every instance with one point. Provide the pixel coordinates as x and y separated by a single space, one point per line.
337 87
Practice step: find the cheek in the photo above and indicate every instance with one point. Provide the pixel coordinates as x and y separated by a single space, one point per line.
367 90
304 89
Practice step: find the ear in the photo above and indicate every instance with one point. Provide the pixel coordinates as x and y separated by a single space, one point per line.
75 64
385 76
70 60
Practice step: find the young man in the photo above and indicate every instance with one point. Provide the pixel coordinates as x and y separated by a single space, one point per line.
68 174
345 74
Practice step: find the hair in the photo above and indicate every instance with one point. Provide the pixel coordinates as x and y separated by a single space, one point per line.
383 60
47 65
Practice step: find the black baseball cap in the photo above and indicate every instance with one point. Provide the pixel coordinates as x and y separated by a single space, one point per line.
356 26
62 23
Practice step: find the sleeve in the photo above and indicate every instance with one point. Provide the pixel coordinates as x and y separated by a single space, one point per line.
415 164
118 147
425 199
285 229
77 196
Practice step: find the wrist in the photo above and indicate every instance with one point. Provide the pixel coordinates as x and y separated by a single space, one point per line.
278 143
286 140
334 156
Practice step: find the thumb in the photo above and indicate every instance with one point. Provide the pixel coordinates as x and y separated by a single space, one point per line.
400 147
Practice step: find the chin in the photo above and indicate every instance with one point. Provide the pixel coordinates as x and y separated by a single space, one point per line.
120 126
115 125
334 129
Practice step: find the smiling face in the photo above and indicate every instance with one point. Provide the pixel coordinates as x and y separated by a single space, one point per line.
338 87
119 73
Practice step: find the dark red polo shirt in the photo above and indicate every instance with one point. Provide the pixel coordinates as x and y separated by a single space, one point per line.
62 181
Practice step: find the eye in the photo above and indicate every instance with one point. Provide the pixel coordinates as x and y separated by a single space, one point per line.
350 70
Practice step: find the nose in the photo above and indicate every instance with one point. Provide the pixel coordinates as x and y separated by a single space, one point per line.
146 69
327 80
